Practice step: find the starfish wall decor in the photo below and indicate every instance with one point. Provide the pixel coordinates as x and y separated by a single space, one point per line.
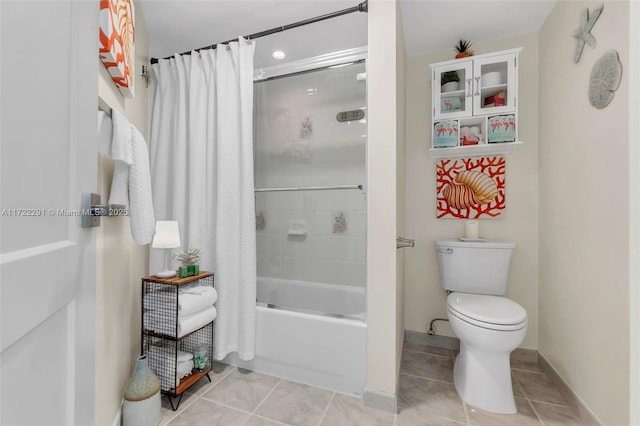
584 33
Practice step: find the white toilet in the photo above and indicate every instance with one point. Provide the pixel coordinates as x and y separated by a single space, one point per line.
488 325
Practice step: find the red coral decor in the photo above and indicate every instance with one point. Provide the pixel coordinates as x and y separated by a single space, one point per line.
470 188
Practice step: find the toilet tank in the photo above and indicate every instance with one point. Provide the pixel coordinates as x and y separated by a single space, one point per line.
474 267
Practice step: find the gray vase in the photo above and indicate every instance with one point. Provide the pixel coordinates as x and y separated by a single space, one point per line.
142 397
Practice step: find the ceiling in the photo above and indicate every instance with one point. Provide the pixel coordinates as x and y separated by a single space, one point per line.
429 25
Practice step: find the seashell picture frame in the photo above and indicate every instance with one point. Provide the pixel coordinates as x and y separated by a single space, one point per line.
470 188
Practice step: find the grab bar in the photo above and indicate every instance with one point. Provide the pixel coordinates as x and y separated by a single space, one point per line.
308 188
402 242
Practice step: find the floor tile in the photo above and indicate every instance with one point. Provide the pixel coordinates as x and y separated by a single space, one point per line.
430 397
203 412
426 365
295 404
261 421
218 373
242 389
524 417
350 411
517 389
555 415
411 417
527 366
167 413
423 347
538 387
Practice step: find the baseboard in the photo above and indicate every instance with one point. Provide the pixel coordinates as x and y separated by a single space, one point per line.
381 401
586 417
117 420
444 342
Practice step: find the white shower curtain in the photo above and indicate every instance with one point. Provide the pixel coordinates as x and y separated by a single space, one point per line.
202 176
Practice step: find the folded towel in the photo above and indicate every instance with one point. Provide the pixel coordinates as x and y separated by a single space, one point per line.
163 361
165 323
190 301
184 369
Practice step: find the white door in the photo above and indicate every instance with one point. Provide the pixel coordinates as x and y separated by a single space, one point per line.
47 261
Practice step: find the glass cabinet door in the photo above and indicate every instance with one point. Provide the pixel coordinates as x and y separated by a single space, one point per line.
452 90
494 85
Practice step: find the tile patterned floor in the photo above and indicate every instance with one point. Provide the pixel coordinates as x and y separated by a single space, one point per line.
426 397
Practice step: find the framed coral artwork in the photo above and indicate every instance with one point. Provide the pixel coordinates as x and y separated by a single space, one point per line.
117 42
470 188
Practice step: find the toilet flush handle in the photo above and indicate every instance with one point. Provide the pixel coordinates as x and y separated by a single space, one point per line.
447 250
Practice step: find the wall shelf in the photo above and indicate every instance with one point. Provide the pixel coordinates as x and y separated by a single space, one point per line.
474 150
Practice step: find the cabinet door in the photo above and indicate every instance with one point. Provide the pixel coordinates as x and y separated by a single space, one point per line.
451 98
494 85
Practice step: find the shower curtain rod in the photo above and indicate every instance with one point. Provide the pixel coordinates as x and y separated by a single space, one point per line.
362 7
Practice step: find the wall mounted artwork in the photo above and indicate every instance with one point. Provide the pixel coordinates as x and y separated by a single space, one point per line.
117 42
470 188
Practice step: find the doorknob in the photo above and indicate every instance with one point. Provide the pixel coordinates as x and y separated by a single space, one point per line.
402 242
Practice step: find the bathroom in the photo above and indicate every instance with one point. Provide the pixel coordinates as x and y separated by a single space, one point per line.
571 200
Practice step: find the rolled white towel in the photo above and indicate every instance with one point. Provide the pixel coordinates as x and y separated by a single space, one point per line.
165 323
190 300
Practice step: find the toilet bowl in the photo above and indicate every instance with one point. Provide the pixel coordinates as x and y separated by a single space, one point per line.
488 324
489 328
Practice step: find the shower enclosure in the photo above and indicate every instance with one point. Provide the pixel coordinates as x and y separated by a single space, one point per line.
310 174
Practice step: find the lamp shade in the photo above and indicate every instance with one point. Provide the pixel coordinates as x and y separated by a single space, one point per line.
167 235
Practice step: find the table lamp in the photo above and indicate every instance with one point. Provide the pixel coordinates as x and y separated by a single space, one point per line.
167 237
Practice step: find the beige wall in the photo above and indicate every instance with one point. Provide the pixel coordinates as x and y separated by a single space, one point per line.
381 199
425 300
584 205
400 182
634 205
120 261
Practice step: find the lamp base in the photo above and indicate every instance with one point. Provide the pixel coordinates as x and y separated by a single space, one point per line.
166 274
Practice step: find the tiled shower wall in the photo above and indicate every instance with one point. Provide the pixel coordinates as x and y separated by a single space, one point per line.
300 143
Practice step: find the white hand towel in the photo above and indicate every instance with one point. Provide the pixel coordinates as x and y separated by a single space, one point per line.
190 301
131 183
143 220
122 153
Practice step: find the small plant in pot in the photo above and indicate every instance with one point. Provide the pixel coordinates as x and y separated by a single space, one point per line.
189 263
449 81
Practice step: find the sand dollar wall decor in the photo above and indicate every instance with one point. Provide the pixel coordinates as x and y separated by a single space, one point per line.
605 79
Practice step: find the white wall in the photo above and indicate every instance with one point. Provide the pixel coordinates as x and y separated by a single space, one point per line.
120 261
425 300
401 59
382 105
584 212
299 143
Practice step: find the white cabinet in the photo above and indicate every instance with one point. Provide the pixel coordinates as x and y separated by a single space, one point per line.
475 105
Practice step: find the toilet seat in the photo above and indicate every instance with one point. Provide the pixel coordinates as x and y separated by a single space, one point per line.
492 312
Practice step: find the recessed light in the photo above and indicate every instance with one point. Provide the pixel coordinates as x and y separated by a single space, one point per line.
278 54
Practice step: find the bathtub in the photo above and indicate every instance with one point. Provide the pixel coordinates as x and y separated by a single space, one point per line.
311 333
